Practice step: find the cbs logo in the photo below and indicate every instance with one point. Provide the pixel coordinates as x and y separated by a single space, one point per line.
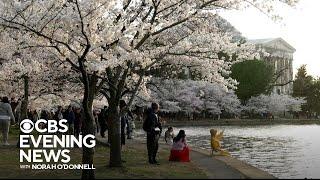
27 126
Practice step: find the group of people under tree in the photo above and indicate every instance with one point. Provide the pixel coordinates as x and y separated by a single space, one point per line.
152 125
153 128
10 114
179 148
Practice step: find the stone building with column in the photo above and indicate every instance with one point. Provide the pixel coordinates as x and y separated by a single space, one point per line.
280 57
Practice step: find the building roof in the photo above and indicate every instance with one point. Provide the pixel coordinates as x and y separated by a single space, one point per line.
269 42
261 41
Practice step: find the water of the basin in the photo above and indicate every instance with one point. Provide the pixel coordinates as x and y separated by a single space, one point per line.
286 151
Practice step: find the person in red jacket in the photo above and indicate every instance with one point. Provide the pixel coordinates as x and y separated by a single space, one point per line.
180 150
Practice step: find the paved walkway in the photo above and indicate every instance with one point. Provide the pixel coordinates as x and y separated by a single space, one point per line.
214 168
217 167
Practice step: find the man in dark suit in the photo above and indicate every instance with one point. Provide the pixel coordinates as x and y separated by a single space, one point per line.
154 129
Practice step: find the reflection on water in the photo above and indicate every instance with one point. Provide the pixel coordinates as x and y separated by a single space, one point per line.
286 151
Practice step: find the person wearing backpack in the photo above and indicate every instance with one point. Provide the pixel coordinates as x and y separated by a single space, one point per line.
153 128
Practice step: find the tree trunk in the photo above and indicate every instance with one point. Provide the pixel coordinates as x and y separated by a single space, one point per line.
109 129
115 96
25 101
88 128
115 131
24 105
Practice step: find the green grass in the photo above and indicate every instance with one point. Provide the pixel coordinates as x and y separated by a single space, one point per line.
136 165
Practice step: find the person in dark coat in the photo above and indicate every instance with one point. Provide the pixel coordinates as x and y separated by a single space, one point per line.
13 104
29 114
130 122
44 115
102 119
70 119
59 114
154 129
77 122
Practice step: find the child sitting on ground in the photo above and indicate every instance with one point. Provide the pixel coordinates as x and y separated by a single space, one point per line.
180 150
169 135
215 143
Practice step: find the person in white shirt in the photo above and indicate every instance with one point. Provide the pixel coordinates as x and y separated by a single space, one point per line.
6 115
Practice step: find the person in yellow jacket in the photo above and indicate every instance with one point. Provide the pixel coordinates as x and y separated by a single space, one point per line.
216 145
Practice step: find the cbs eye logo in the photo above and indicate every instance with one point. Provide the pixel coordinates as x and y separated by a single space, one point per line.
26 126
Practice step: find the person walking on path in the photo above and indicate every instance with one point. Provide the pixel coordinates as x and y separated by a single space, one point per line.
6 115
153 128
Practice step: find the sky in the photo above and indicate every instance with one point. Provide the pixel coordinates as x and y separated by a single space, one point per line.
300 27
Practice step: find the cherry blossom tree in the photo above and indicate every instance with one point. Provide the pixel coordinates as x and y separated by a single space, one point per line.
111 44
41 74
274 103
18 65
194 96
